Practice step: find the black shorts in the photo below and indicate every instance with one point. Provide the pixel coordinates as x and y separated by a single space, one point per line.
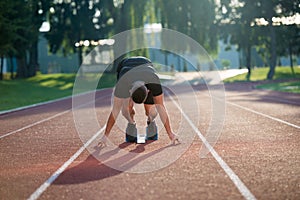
149 99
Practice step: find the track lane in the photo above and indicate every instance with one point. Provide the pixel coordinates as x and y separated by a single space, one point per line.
36 151
267 152
252 156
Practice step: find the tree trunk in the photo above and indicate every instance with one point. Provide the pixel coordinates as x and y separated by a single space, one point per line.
80 60
119 47
33 59
166 59
22 71
11 67
179 63
1 68
248 61
291 58
273 52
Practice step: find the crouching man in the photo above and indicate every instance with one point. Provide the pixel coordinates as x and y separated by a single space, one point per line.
137 82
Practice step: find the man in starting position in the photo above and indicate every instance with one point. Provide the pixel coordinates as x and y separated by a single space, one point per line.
137 82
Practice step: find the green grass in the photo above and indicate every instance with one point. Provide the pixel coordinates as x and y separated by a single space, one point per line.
43 87
288 82
259 74
293 86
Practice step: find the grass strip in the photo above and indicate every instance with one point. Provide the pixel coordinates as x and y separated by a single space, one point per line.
44 87
285 80
292 86
260 74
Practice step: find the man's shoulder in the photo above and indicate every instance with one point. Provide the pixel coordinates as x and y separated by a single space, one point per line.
135 61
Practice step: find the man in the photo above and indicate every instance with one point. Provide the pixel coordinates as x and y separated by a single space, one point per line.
137 82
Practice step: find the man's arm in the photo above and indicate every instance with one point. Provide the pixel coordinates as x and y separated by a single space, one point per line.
127 110
117 105
159 103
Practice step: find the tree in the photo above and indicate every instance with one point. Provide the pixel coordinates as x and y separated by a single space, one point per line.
236 27
126 15
20 22
271 11
289 34
6 33
191 17
289 42
37 15
32 14
20 34
252 23
72 22
268 11
76 20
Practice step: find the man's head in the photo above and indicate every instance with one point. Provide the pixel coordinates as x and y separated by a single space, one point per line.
139 92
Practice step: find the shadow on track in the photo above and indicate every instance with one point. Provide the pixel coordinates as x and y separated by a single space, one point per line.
92 169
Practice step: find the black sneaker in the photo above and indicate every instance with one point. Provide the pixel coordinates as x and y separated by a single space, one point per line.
131 133
151 131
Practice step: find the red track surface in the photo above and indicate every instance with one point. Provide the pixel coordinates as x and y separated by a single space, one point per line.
259 141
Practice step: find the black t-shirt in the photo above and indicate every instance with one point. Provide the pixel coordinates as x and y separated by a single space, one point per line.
129 75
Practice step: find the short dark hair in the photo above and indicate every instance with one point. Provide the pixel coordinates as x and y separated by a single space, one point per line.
139 95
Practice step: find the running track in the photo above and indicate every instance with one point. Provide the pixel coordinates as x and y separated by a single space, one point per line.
257 155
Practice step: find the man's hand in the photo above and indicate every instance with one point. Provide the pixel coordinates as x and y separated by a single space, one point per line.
174 139
103 142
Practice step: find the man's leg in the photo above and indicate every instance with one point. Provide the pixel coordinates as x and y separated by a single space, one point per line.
151 113
129 112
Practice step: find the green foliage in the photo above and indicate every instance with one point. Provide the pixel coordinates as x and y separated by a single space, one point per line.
19 23
15 27
73 21
191 17
288 43
7 28
239 25
203 20
225 64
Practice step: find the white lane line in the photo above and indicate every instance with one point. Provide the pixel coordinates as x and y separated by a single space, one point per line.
33 124
33 105
35 195
49 118
235 179
264 115
44 103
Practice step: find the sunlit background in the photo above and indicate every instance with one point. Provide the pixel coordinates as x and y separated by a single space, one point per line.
55 36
